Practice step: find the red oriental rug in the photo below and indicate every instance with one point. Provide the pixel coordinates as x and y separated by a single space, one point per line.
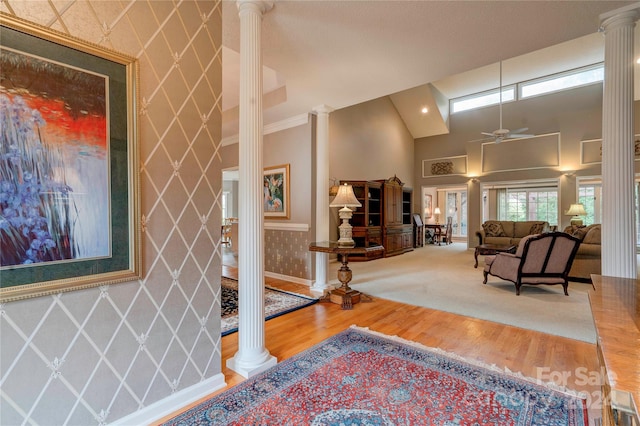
360 377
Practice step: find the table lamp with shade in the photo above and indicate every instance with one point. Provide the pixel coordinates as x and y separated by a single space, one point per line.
436 213
576 210
345 199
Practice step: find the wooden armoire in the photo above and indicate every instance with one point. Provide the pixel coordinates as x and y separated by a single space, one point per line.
384 218
397 228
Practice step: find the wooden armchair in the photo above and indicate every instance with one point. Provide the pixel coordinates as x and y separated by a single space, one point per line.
539 259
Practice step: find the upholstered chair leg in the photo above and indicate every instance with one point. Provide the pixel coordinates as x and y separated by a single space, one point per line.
485 277
518 289
566 288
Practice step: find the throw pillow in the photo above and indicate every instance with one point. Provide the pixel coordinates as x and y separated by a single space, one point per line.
579 232
493 229
537 228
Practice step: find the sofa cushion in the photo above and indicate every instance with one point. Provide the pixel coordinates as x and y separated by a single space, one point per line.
501 241
593 235
493 229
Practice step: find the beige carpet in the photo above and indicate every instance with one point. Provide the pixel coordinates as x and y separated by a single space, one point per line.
443 278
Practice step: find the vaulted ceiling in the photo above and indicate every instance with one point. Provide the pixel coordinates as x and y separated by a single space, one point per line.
341 53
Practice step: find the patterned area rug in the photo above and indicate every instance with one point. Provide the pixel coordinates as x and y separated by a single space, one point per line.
362 377
276 303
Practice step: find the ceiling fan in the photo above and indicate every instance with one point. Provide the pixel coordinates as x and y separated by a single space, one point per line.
501 133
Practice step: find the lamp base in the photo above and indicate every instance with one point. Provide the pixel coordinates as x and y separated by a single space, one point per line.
345 228
348 242
576 221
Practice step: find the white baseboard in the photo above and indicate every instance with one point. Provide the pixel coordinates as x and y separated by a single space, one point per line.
164 407
296 280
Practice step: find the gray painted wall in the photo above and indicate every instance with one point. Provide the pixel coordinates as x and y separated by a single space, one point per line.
294 147
370 141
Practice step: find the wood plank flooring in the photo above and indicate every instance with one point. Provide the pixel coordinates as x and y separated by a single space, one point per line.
529 352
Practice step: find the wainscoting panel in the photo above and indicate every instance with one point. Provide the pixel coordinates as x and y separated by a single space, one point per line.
287 253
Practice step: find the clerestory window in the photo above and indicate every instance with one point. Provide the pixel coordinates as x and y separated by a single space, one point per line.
563 81
579 77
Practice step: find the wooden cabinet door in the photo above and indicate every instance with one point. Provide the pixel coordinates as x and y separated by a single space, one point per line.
394 242
393 204
407 240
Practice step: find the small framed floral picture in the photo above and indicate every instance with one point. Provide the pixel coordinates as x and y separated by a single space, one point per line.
276 192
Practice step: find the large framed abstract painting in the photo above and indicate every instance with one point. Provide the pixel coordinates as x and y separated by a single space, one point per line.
69 210
276 192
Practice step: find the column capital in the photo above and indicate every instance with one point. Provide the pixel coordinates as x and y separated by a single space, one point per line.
322 109
260 6
622 16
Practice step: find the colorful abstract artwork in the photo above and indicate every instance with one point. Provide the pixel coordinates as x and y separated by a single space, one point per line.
54 187
69 199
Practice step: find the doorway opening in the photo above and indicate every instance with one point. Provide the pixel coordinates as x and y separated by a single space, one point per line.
450 202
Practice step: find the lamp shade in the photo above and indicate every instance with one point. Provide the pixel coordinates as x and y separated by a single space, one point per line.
436 210
345 197
576 210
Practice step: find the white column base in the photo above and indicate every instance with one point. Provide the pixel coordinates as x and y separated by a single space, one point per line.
320 291
246 370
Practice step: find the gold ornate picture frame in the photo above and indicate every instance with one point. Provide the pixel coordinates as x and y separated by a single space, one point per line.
69 201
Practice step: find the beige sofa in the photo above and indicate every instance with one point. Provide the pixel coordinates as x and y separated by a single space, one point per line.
588 257
507 232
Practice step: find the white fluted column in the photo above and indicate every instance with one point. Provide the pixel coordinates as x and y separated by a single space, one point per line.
618 219
252 356
322 112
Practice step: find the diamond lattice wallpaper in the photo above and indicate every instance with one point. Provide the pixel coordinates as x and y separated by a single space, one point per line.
97 355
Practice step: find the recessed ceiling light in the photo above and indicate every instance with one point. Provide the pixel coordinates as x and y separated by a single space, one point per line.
424 110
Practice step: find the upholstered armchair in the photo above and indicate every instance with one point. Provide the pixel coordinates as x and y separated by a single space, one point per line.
539 259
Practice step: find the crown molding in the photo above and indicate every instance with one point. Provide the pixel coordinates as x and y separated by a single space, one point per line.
288 123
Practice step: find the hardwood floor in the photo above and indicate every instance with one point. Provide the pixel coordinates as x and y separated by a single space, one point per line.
529 352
